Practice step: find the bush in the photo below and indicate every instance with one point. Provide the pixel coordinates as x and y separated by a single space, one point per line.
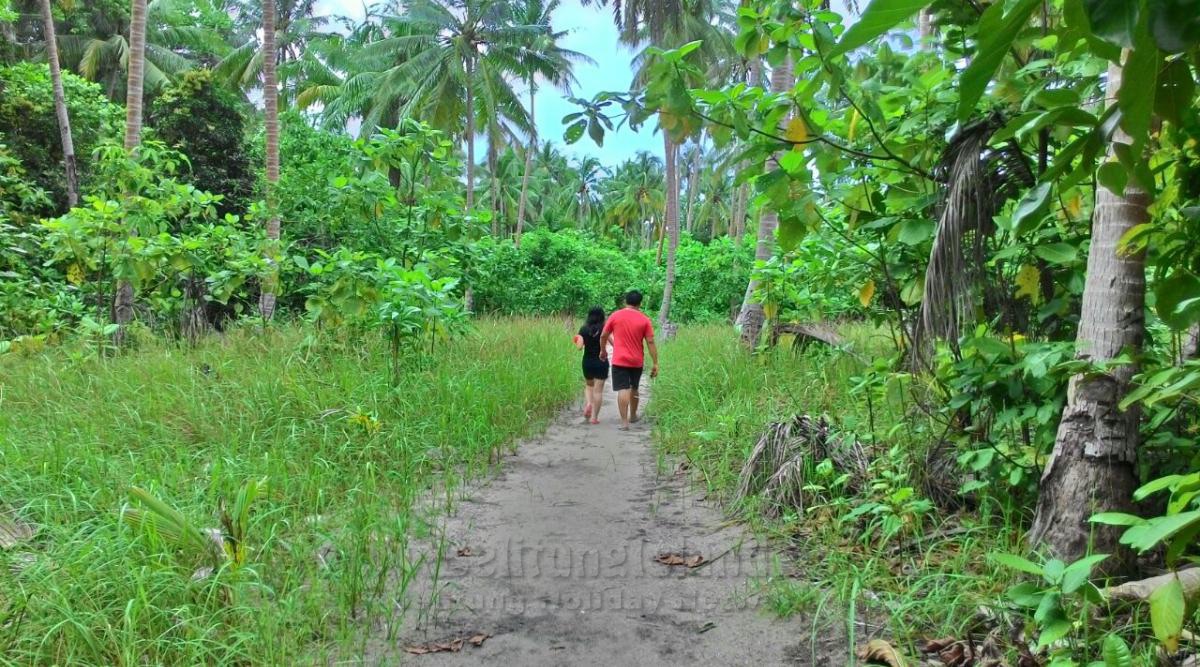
203 122
28 122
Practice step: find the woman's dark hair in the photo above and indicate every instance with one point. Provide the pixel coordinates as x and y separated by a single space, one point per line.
595 321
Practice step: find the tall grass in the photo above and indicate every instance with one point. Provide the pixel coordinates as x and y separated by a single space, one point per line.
711 404
346 457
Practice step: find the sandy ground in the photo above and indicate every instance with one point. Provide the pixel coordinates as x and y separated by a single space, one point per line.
558 565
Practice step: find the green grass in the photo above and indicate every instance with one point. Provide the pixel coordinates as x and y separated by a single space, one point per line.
711 403
192 426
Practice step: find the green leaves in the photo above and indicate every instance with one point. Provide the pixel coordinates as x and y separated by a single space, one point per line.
1031 209
1167 609
1056 253
996 34
1116 652
1139 82
1177 299
1113 20
1175 24
879 17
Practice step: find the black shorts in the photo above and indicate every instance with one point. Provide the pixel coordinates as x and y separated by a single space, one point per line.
595 369
625 377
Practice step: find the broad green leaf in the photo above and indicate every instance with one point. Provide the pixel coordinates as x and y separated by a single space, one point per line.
1139 81
1150 534
1016 563
1028 284
996 37
913 291
1176 88
1056 253
1175 24
1172 296
915 231
574 132
1162 483
879 17
1113 20
1031 209
1078 573
1116 652
1116 519
1167 608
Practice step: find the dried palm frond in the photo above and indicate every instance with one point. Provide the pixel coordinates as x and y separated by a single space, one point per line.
779 461
979 179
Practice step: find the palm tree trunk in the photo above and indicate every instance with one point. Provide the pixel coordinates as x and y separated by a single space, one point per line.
1092 466
693 176
925 24
123 303
493 184
528 168
470 136
60 107
751 316
672 222
266 302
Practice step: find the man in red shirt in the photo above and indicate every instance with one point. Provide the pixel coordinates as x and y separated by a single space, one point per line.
628 329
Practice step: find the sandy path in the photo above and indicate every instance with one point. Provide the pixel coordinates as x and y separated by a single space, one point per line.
561 568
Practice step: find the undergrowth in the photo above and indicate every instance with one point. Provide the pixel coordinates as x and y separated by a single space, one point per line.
344 456
879 562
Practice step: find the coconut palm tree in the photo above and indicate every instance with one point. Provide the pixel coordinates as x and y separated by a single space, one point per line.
297 30
271 125
60 106
170 46
123 304
634 195
586 204
543 57
449 62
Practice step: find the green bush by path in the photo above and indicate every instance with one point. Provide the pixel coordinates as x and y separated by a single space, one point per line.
345 458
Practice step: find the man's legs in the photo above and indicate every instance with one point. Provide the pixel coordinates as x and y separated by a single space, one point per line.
623 397
633 404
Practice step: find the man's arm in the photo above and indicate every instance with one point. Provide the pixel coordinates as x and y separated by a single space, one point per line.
654 357
604 345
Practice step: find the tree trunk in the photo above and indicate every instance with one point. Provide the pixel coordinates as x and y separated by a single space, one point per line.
528 168
925 24
266 303
60 107
123 304
693 176
1191 343
751 317
1092 466
493 184
672 228
470 136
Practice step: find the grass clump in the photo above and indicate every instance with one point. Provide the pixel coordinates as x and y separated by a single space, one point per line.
345 460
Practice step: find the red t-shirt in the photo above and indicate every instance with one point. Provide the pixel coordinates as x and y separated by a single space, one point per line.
629 328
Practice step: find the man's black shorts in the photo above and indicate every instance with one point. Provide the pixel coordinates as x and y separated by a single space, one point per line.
624 377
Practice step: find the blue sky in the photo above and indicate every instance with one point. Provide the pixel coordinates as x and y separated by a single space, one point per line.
590 31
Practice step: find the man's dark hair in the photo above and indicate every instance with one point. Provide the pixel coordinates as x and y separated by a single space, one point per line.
633 298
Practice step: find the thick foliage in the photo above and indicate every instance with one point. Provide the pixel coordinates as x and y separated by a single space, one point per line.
204 122
30 128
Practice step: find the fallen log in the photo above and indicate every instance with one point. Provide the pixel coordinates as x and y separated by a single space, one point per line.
1141 590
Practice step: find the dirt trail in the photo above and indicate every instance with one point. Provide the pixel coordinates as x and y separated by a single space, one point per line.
559 568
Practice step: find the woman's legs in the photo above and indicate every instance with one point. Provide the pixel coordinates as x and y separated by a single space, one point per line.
587 398
597 399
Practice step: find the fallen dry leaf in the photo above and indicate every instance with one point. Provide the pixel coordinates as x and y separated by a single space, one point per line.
464 551
479 639
447 645
671 559
880 652
453 646
951 652
13 531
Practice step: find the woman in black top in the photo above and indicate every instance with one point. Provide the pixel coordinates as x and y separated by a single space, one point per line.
595 369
